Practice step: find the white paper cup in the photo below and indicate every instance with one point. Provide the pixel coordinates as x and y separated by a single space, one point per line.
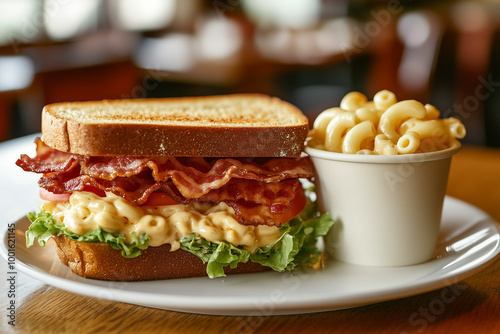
387 209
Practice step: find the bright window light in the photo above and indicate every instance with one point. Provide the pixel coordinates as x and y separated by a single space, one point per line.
174 52
142 14
219 39
286 14
68 19
414 28
20 20
16 72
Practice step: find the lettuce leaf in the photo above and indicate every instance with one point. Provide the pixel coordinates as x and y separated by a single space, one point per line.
295 247
43 227
216 255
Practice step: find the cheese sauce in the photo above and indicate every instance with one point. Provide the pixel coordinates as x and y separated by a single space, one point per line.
86 211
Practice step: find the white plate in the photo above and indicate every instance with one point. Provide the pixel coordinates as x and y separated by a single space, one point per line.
469 242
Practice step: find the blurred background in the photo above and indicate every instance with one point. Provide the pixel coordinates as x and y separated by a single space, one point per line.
308 52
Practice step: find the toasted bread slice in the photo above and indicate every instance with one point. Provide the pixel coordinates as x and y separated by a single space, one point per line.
245 125
100 261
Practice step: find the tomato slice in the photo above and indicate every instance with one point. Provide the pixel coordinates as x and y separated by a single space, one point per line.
160 199
49 196
298 204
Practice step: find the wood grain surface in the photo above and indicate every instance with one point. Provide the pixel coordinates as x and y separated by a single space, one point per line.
472 305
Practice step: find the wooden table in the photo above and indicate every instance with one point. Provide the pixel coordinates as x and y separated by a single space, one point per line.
472 305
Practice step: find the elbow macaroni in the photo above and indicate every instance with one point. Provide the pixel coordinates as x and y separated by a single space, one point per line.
337 129
354 139
383 126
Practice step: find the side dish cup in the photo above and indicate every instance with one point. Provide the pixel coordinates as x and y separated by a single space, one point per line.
387 208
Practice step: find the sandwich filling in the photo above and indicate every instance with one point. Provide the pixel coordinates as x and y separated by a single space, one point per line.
224 210
167 224
246 185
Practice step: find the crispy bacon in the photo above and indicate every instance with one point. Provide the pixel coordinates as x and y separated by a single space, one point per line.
47 160
251 214
238 182
195 178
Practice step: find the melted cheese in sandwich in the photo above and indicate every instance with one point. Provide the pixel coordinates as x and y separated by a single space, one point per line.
86 211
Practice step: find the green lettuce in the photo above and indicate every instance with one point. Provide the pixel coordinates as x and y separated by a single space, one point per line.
295 247
43 227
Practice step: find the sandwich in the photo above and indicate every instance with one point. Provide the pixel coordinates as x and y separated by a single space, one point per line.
150 189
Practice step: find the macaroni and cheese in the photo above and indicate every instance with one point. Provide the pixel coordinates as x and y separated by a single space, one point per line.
383 126
86 211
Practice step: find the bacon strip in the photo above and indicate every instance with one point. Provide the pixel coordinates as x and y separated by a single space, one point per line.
234 181
277 196
192 177
136 189
47 160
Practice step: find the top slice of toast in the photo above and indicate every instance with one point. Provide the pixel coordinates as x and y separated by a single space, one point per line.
242 125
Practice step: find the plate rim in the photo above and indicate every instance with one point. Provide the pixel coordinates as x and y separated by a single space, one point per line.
230 306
